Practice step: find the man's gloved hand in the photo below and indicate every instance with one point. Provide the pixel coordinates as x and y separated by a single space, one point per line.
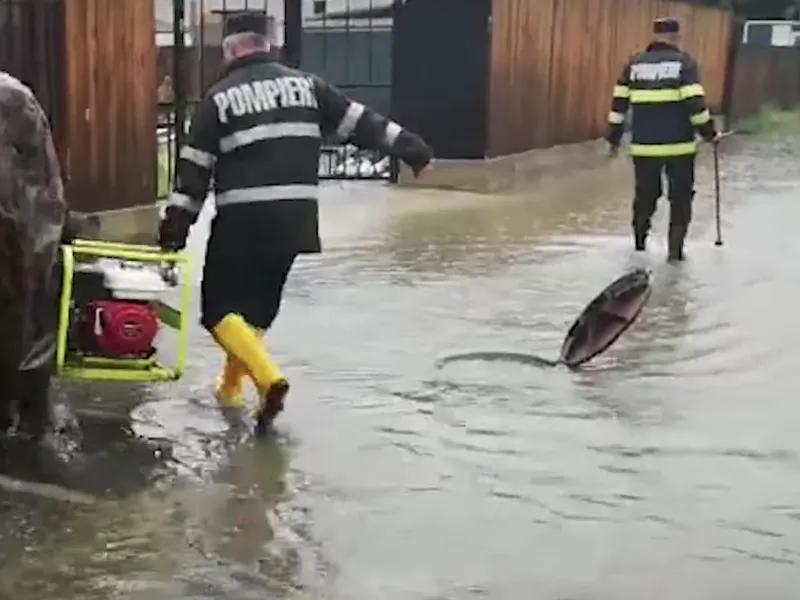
174 228
412 150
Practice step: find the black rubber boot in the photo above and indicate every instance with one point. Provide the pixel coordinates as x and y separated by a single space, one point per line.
6 418
8 399
641 227
271 407
640 240
677 235
644 205
35 412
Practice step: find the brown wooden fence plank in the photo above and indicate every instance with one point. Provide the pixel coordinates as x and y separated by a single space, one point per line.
77 102
520 73
31 49
111 104
141 155
541 73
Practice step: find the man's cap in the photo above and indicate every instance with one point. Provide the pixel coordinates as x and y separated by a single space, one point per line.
666 25
245 22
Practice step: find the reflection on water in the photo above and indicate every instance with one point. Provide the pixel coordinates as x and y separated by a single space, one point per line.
667 469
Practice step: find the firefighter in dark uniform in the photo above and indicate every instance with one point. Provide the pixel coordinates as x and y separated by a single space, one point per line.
258 131
662 88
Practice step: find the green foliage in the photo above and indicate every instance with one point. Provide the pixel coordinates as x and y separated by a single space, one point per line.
770 120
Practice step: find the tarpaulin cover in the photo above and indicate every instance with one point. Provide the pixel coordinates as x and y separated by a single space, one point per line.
32 217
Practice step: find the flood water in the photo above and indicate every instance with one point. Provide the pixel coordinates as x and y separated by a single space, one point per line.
670 469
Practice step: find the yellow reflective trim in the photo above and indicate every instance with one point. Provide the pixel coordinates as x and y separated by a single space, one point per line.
615 118
700 118
663 150
692 91
655 96
622 91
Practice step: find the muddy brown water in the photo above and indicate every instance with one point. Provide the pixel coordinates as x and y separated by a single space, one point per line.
670 469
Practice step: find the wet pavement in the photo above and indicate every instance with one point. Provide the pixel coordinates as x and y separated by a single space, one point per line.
670 469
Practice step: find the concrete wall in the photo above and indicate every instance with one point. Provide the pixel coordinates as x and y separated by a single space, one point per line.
505 173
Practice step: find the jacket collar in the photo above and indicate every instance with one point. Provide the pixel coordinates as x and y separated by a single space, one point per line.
246 61
659 45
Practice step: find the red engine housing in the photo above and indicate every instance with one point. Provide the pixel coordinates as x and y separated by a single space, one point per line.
120 328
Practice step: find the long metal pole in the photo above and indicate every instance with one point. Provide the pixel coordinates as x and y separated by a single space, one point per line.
178 81
293 32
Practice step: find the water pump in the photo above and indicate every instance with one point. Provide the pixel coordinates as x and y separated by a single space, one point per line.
114 308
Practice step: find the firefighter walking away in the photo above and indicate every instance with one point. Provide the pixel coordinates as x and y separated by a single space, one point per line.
661 86
258 131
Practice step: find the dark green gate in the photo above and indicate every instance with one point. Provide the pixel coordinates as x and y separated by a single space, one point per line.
349 43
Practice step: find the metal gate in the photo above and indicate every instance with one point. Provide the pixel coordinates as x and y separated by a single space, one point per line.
348 42
189 60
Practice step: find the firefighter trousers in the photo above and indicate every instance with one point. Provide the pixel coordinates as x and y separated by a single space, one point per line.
243 280
648 174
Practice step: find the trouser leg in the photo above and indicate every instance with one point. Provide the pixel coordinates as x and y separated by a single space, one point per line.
273 280
12 332
648 189
680 176
240 342
8 398
230 384
236 309
37 365
35 411
231 303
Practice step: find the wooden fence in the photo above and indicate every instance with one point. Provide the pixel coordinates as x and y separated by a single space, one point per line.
764 76
554 63
110 103
91 64
31 49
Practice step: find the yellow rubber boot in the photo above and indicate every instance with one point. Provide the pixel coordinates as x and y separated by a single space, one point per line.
229 390
230 384
270 404
239 341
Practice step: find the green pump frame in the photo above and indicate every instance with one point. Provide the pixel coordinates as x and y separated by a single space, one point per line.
124 370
